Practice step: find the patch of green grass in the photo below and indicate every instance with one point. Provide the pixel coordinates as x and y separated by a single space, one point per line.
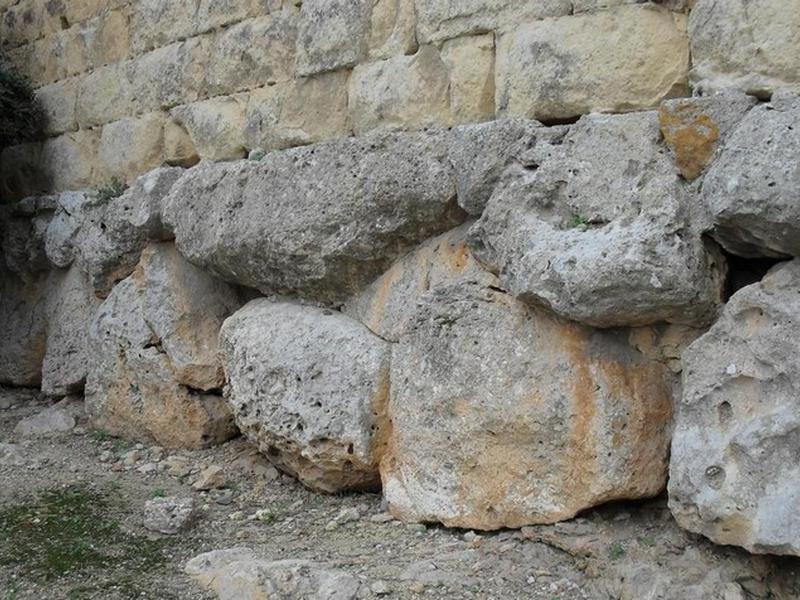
99 435
159 493
70 531
579 222
113 189
647 540
616 551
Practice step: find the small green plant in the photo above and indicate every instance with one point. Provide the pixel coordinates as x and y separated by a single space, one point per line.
99 435
647 540
159 493
616 551
113 189
579 222
20 117
257 155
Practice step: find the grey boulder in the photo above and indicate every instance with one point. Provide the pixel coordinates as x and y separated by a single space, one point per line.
734 474
753 189
309 387
320 221
169 515
598 227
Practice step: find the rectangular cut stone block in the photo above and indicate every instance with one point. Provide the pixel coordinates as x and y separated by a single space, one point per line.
55 57
438 20
172 75
212 14
471 64
623 59
70 161
392 29
156 23
107 38
58 102
402 92
132 146
178 146
253 53
333 34
216 126
299 112
105 95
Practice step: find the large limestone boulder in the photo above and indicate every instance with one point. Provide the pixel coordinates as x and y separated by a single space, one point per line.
622 59
388 305
504 416
71 308
333 34
154 370
309 387
734 475
752 45
753 189
605 238
321 221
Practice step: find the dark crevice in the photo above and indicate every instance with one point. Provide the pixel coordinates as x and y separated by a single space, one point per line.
745 271
562 121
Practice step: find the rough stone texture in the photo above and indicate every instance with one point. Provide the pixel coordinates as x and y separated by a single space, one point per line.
504 416
392 29
480 153
753 189
253 53
59 418
70 161
216 126
237 573
623 59
694 128
63 228
154 366
132 146
112 234
23 321
734 475
607 238
470 61
752 45
171 75
297 113
388 305
309 386
169 515
320 221
105 95
333 34
401 92
58 103
72 306
437 20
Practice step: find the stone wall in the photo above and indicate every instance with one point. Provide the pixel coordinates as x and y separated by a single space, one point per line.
131 85
485 261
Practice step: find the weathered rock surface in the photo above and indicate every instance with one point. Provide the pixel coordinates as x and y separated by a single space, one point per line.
734 475
694 128
388 305
753 45
72 306
62 230
504 416
333 34
154 373
320 221
605 238
753 189
622 59
169 515
237 573
112 234
309 387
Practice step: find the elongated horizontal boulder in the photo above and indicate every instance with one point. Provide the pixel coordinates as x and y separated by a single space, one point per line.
309 387
753 45
753 189
607 238
321 221
154 372
504 416
734 475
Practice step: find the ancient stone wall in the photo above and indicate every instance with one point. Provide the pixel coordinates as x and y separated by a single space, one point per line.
506 261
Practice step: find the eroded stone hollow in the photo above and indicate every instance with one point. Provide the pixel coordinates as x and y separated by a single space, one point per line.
501 261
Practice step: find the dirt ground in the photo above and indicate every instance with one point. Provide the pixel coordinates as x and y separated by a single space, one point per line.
71 526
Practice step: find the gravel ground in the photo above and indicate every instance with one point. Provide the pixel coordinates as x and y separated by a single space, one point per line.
71 526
